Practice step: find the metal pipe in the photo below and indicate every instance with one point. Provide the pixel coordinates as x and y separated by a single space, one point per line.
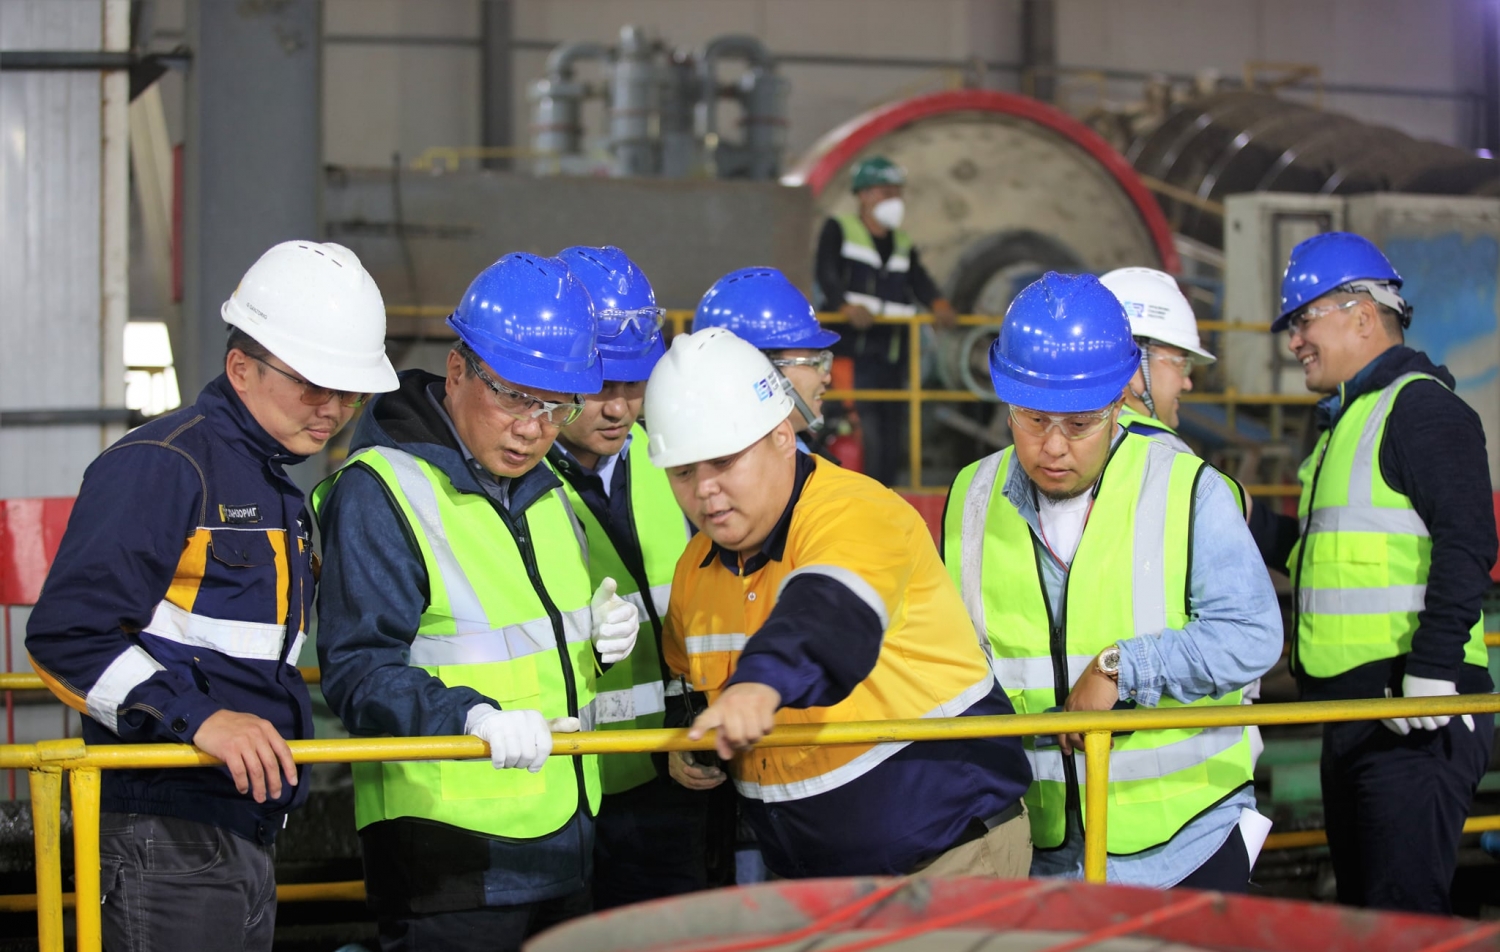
560 61
46 823
1096 746
740 45
84 784
80 416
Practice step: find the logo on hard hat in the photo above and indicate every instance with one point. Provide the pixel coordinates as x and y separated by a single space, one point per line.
765 388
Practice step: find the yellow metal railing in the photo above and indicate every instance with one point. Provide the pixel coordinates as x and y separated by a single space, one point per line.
48 761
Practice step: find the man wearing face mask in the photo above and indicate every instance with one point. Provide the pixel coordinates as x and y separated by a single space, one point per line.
868 267
1389 559
180 599
456 599
760 306
650 835
1171 608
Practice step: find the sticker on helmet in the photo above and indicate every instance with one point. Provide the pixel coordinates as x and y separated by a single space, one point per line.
765 389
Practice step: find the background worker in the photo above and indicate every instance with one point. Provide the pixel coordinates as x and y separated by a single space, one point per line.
650 835
761 306
1171 607
179 600
456 599
814 595
868 267
1389 575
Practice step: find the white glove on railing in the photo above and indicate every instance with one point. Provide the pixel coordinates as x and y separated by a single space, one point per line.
516 738
616 623
1413 686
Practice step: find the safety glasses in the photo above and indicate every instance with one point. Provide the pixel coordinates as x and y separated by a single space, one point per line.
1183 362
1073 426
1298 322
522 405
823 360
645 321
314 395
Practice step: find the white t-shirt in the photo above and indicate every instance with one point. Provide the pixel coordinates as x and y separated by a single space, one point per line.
1062 523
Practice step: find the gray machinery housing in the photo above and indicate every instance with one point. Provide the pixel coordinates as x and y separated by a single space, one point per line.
663 110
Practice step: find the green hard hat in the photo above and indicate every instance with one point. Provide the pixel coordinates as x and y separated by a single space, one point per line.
877 170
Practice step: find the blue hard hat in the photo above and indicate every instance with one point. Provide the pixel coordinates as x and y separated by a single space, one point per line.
1323 263
532 320
630 339
1064 347
761 306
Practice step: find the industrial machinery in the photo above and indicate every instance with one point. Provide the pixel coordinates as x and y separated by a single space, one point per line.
662 108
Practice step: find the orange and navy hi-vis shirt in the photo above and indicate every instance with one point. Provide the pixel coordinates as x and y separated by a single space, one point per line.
848 612
183 587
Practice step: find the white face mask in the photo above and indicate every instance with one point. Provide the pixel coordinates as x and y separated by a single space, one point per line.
889 212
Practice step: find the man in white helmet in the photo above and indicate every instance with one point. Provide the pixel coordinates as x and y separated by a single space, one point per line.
179 600
814 595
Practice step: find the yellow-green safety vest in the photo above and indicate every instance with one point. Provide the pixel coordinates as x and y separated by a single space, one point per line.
632 692
512 623
1133 564
1129 417
872 284
1360 568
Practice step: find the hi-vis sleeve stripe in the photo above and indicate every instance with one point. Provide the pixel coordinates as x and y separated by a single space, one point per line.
251 641
851 580
709 644
133 667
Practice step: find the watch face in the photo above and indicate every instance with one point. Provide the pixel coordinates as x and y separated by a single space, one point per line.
1109 661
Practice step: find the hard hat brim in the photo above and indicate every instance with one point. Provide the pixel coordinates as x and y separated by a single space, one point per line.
1061 396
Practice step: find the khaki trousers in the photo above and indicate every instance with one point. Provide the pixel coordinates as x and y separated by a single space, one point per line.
1002 853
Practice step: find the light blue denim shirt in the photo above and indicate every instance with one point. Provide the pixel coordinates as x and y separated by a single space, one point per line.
1233 638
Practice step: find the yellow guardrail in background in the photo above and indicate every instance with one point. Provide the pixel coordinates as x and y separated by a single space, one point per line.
47 761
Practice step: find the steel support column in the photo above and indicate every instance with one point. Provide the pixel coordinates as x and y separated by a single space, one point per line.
495 79
1039 48
253 159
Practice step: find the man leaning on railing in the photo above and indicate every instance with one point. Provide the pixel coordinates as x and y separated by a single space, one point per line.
1397 537
1109 570
180 598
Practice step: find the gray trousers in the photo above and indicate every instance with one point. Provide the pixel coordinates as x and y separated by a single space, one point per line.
176 884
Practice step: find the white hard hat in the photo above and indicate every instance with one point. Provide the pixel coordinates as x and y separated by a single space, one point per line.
1156 308
712 395
316 307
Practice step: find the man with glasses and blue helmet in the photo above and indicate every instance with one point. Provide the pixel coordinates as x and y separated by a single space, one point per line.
1172 605
867 266
456 599
761 306
180 598
814 595
650 833
1389 559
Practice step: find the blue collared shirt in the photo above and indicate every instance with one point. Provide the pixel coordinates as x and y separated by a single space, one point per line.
1234 637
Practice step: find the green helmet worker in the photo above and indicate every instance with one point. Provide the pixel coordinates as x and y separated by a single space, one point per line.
867 266
456 600
1105 572
1397 536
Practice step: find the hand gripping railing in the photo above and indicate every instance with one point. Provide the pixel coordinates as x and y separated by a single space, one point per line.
49 760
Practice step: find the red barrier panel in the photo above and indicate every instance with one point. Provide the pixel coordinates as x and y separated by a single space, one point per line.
30 532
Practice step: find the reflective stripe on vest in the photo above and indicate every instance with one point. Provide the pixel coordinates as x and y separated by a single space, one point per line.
1152 428
880 287
500 639
1159 780
1360 567
631 692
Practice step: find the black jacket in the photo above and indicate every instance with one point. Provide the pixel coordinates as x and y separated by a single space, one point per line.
1434 453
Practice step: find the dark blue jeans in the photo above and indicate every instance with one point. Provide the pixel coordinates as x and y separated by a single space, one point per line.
177 884
492 929
650 842
1395 809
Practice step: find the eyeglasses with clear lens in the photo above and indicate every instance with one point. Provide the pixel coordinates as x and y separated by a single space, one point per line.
1183 362
522 405
1073 426
823 360
314 395
646 321
1298 322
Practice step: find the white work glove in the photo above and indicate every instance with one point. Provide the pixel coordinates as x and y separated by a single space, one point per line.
516 738
616 623
1413 686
